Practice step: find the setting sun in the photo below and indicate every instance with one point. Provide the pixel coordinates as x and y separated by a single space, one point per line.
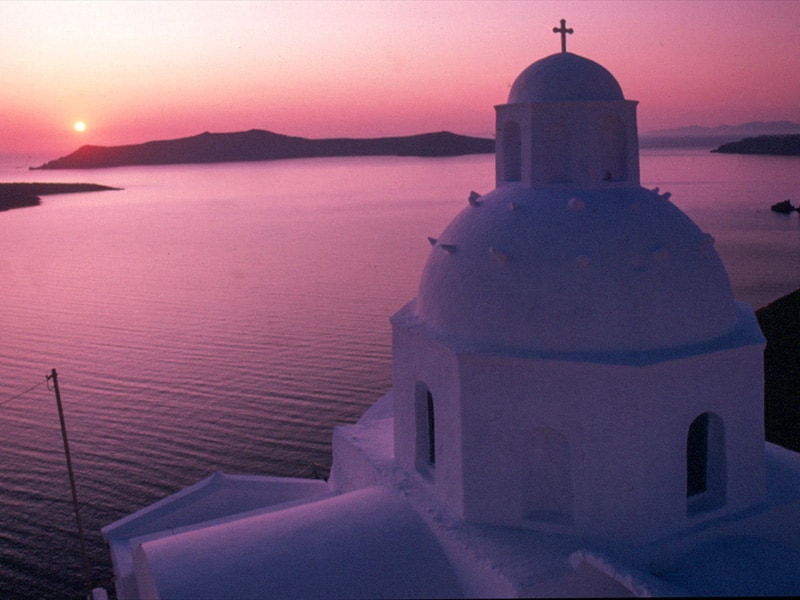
80 126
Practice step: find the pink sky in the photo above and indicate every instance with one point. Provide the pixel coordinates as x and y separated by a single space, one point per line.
139 71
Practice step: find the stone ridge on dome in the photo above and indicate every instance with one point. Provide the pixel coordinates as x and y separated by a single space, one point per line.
564 77
576 271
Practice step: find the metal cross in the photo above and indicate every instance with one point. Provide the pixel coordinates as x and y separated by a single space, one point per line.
563 31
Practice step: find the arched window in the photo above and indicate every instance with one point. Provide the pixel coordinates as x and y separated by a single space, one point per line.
512 152
426 429
431 428
697 456
613 150
706 475
547 494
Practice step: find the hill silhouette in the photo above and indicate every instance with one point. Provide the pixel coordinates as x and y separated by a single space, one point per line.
258 145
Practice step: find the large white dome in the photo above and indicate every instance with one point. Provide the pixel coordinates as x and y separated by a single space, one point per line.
564 77
575 271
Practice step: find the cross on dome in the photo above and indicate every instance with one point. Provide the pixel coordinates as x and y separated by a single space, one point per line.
563 31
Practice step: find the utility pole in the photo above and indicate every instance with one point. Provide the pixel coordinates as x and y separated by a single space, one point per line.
54 377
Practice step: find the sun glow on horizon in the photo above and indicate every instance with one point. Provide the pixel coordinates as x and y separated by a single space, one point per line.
162 70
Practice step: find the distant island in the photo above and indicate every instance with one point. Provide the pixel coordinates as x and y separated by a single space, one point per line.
20 195
259 145
780 145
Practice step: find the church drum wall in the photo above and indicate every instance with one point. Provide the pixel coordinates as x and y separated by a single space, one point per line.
625 429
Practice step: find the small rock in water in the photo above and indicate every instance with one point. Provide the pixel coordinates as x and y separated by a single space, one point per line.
785 207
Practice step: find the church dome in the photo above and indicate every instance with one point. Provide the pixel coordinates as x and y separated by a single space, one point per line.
575 271
564 77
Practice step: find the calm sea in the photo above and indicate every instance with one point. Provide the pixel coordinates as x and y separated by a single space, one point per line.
227 317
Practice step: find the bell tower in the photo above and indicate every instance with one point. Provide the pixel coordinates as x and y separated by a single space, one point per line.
567 124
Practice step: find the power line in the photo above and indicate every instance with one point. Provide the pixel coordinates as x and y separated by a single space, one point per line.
30 389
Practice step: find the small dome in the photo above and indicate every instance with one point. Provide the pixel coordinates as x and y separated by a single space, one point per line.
564 77
583 271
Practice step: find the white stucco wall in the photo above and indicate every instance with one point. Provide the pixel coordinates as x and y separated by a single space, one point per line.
418 359
573 133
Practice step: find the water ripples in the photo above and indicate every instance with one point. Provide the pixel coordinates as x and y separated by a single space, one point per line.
219 318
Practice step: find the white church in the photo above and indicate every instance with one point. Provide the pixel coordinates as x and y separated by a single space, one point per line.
577 408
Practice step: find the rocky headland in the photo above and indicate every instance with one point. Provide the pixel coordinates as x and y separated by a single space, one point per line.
259 145
780 322
20 195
